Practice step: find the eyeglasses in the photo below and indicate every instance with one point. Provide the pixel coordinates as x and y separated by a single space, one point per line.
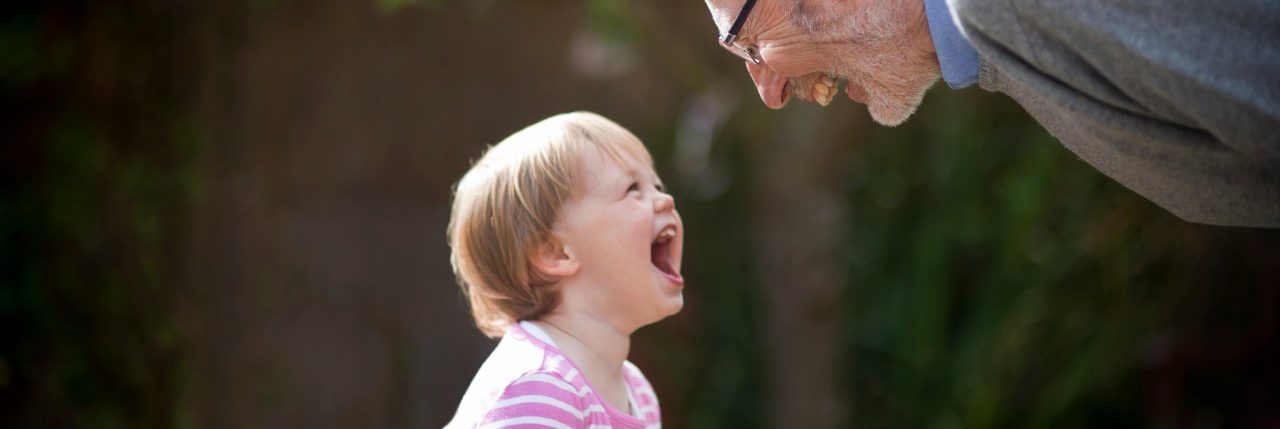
727 39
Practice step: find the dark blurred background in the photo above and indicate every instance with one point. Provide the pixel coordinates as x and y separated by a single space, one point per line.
231 213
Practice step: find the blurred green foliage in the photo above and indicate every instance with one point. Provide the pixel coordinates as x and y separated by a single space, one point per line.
93 186
998 281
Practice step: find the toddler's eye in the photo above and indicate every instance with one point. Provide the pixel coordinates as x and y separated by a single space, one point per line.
660 188
635 186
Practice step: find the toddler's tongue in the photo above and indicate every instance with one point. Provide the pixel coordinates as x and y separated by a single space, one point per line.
661 258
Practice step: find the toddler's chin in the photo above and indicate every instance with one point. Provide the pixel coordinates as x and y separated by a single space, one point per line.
678 305
672 306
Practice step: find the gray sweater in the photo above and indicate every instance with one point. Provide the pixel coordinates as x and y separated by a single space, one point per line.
1178 100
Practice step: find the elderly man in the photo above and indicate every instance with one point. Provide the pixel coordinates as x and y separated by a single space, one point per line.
1178 100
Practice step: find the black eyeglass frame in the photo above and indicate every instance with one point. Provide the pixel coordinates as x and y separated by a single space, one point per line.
728 38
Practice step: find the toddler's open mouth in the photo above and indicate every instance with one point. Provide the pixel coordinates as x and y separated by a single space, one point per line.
660 255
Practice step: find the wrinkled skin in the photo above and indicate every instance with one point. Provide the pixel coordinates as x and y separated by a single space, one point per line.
880 49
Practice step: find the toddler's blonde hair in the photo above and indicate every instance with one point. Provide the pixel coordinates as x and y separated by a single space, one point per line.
506 205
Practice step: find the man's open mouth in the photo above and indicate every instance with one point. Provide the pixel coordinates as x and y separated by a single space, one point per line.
662 258
820 89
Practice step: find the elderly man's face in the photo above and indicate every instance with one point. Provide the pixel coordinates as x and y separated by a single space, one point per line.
879 48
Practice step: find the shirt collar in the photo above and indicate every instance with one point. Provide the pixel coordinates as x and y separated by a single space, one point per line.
956 56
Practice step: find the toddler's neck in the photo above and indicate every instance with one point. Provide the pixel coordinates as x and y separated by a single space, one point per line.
597 340
596 347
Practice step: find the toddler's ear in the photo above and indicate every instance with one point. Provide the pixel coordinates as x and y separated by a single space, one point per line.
555 259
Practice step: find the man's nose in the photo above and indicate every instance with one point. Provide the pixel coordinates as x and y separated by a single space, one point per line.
771 85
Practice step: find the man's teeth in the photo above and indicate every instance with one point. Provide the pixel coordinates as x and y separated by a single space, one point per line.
824 90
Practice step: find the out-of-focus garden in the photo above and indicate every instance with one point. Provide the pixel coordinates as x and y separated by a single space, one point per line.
231 213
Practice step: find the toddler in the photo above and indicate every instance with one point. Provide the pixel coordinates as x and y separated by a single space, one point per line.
565 242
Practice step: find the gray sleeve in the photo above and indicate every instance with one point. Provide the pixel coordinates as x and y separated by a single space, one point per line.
1178 100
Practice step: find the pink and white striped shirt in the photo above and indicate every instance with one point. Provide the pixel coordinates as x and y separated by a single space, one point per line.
528 383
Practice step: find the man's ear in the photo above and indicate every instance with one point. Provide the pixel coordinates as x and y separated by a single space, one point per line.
553 258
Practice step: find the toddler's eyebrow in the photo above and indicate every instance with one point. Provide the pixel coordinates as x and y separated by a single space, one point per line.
628 176
632 173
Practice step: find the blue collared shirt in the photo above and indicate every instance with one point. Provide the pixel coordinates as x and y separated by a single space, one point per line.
956 56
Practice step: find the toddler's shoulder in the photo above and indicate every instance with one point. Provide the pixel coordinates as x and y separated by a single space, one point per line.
643 393
510 368
634 375
542 397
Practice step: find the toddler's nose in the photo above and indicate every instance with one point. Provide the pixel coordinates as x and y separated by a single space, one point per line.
664 202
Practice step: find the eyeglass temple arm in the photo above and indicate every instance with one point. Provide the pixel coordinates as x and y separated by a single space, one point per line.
737 23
